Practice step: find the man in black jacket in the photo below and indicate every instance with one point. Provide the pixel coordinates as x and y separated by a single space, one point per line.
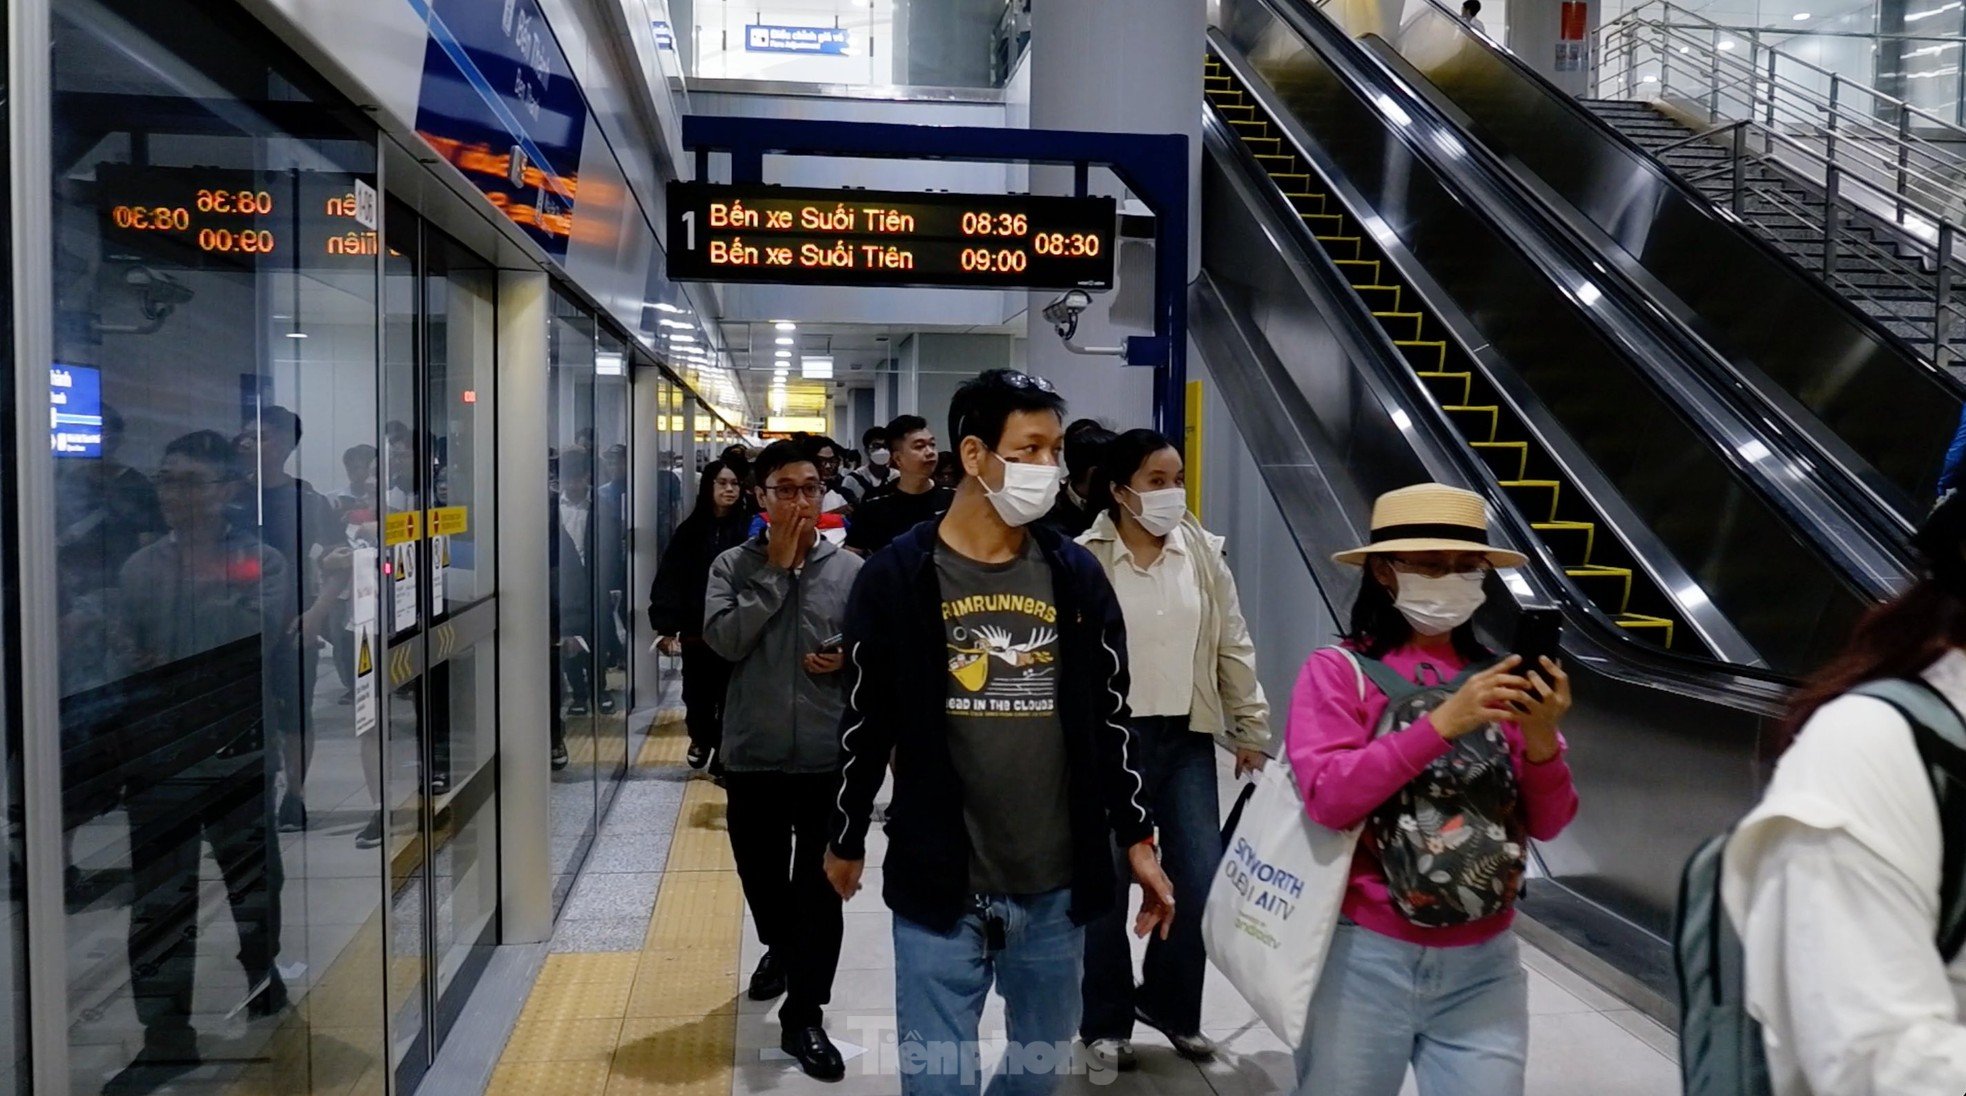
989 657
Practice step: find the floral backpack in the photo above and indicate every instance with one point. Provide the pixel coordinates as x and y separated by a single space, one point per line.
1451 842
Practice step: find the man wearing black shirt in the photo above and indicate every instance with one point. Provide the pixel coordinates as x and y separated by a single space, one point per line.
911 499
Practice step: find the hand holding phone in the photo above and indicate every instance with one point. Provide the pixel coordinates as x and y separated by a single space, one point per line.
1538 635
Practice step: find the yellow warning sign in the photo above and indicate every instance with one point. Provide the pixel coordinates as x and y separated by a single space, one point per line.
450 521
402 528
364 659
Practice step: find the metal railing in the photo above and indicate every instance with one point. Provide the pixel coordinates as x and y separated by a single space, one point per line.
1865 159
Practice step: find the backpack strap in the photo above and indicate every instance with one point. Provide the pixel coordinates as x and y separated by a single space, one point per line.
1940 734
1396 686
1357 670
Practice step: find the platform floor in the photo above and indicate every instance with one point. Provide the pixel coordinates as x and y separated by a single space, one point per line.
641 990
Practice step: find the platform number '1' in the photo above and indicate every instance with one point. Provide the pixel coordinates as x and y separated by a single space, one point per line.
689 230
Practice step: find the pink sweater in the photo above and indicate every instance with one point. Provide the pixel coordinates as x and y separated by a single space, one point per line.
1345 775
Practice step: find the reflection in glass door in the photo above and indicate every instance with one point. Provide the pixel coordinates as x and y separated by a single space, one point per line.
440 728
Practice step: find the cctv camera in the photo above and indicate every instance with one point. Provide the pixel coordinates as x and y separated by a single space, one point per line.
157 289
1064 312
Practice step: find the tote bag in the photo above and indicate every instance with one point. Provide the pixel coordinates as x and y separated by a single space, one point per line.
1275 900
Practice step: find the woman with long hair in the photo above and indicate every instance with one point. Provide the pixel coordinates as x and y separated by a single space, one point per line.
1452 762
1834 880
717 523
1193 673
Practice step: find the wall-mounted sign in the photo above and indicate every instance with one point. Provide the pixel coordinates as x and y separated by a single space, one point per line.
75 410
770 38
196 216
808 236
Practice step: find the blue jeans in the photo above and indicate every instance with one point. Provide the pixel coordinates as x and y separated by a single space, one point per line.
1178 768
1460 1016
941 980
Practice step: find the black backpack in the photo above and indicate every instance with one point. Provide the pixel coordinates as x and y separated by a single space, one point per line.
1720 1047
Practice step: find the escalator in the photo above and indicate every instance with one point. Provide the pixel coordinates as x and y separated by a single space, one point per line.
1369 326
1876 414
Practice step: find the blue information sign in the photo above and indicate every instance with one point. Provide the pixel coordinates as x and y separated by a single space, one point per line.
75 410
499 102
772 38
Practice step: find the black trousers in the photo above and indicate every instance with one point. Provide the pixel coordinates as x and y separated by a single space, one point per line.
778 835
227 804
706 678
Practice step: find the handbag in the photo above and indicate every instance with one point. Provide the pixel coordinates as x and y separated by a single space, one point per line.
1275 899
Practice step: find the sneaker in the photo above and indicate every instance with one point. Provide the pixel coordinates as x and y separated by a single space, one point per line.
1113 1055
698 755
371 834
768 981
151 1070
814 1052
1194 1046
607 703
578 707
560 758
293 815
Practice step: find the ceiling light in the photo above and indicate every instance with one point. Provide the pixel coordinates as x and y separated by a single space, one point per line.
781 354
785 325
665 306
296 334
683 339
1729 44
667 322
1802 17
785 340
816 369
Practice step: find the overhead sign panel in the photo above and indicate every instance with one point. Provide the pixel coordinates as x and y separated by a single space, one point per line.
769 38
810 236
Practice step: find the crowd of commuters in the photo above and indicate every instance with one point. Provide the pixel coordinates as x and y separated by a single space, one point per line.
1043 662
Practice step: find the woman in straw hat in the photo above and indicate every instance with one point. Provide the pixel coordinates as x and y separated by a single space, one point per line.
1451 761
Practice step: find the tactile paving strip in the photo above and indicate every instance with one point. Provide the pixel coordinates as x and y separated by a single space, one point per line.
663 1020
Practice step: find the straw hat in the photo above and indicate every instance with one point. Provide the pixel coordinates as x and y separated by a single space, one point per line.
1430 517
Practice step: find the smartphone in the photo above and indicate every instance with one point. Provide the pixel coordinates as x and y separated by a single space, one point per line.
833 646
1538 635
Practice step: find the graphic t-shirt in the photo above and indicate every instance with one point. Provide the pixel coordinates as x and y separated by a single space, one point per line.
1001 628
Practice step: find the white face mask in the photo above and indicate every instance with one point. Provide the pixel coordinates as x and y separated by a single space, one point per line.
877 458
1160 511
1437 606
1028 491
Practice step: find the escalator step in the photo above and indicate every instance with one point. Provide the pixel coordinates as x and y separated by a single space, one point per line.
1610 587
1402 326
1232 110
1345 247
1574 542
1450 389
1477 424
1305 202
1380 296
1509 459
1429 356
1263 146
1534 496
1251 125
1326 224
1277 164
1657 628
1359 271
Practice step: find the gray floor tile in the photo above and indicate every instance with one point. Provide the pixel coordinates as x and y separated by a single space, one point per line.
609 934
1649 1031
1546 998
1585 1046
613 897
628 852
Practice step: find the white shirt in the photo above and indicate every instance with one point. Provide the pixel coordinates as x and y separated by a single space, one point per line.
1162 606
1833 881
573 519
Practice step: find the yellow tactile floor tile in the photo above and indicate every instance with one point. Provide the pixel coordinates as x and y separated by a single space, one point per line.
702 840
667 744
556 1078
577 1001
703 912
569 967
679 1057
564 1041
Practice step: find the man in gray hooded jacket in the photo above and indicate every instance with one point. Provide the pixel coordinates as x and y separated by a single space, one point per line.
774 609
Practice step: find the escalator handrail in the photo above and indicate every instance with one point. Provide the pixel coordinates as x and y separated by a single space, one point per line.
1878 567
1367 341
1698 199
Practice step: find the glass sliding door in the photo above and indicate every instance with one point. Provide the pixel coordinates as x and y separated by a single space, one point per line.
216 300
570 648
612 514
441 729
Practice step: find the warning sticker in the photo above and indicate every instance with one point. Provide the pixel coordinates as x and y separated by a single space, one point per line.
367 699
402 585
402 527
440 562
450 521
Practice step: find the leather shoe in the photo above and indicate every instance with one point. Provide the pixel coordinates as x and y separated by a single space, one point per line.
814 1052
768 981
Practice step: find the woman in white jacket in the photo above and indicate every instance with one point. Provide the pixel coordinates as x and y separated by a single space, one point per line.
1833 880
1193 674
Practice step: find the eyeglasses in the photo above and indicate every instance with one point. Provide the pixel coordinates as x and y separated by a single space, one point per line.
1442 570
1025 380
786 492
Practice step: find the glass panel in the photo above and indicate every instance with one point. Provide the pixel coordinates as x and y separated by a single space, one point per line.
13 923
461 293
216 292
570 348
609 562
463 693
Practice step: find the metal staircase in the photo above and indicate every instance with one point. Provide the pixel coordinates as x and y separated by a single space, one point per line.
1858 187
